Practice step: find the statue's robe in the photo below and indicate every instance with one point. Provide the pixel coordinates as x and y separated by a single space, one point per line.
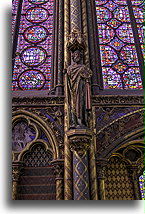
78 76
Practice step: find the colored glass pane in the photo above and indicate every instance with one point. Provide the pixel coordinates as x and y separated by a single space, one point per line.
116 43
137 2
110 5
140 33
103 14
108 55
128 54
111 79
35 34
114 23
31 79
98 2
124 32
138 9
139 15
120 2
142 186
39 57
37 15
122 14
119 60
132 79
33 56
120 67
106 33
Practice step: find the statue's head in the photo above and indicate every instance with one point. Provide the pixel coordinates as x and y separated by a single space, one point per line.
77 56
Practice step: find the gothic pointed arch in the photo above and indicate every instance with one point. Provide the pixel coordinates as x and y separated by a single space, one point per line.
41 132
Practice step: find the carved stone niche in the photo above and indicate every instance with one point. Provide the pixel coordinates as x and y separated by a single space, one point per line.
79 140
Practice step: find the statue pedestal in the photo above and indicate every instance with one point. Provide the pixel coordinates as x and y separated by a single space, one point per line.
80 141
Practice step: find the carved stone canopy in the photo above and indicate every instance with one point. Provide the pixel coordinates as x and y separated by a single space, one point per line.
76 40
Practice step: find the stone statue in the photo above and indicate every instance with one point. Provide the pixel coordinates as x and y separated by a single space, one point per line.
79 92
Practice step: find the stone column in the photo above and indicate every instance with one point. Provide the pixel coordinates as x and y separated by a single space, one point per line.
133 174
80 140
59 172
16 172
101 166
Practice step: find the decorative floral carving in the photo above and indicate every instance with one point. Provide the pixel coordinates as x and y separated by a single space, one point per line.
117 99
20 101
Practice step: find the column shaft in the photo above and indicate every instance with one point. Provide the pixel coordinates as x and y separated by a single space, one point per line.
81 176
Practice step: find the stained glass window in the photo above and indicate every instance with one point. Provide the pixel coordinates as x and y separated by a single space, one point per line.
34 45
142 186
120 65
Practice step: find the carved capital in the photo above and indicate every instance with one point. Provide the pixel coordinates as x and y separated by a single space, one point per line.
133 169
101 167
16 171
79 140
80 145
59 168
76 40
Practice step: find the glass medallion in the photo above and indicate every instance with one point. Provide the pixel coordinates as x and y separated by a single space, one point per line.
122 14
110 5
38 1
108 55
103 14
117 44
120 67
132 79
33 56
31 79
114 23
124 32
129 55
35 34
37 15
111 78
106 33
